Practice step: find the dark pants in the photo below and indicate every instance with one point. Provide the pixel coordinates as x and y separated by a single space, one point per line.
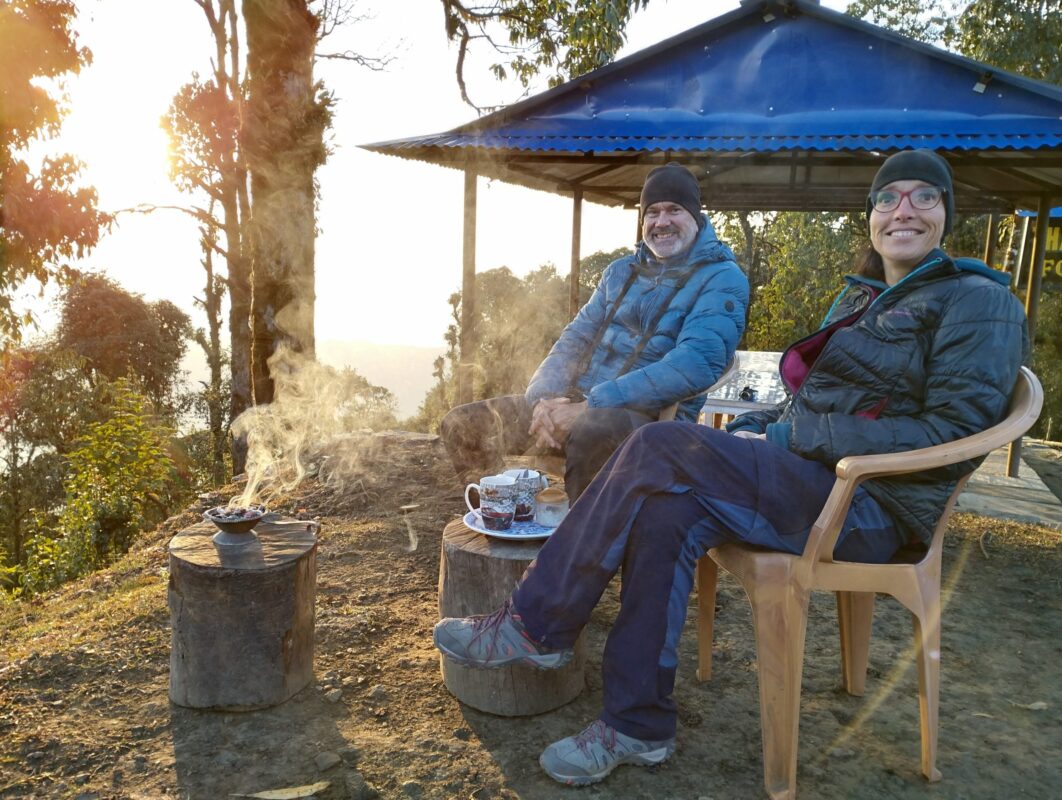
672 491
477 436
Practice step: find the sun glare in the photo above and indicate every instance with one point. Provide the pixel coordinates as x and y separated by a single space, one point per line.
125 154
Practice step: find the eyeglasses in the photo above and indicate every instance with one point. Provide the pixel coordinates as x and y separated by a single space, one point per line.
923 198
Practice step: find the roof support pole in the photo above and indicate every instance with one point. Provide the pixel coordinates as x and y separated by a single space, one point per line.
990 238
1036 267
577 246
1021 256
467 343
1032 304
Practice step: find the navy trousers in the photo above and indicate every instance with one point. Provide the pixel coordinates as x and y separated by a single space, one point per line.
670 492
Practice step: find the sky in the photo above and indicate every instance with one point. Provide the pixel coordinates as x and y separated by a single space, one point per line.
389 250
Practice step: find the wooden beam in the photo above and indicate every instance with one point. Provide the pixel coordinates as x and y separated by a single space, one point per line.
1036 270
577 237
1032 305
991 234
467 343
1021 257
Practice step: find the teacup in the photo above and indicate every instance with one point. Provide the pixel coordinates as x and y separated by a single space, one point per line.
497 501
528 484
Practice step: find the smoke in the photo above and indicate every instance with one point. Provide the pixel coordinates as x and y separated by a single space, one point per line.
310 428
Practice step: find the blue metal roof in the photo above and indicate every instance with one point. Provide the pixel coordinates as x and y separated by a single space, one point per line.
784 105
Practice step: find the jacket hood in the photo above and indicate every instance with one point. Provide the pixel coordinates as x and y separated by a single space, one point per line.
707 249
981 268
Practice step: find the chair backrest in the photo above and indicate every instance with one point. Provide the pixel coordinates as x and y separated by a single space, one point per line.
1026 401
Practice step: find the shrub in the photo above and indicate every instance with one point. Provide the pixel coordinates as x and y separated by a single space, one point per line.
120 480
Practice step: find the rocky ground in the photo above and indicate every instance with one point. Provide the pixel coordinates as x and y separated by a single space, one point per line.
84 675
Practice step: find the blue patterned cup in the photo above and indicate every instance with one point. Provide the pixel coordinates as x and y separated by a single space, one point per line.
528 484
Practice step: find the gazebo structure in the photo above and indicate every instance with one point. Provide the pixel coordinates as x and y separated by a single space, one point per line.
778 105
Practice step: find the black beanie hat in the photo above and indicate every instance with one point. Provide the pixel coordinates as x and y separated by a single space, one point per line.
673 183
917 165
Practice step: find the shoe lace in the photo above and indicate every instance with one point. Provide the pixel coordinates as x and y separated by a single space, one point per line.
489 625
596 731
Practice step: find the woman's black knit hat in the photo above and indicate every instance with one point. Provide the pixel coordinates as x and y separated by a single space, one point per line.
673 183
916 165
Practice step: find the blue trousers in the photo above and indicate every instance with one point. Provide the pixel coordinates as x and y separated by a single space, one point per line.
670 492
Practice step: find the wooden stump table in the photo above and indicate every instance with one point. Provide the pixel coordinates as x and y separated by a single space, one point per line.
242 616
477 574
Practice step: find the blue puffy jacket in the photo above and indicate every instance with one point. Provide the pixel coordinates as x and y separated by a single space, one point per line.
693 343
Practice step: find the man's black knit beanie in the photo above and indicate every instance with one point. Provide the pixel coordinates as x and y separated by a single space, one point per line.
673 183
916 165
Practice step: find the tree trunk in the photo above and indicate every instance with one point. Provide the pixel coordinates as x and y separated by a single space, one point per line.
283 144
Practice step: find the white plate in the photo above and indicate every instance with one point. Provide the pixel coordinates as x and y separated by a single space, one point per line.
519 530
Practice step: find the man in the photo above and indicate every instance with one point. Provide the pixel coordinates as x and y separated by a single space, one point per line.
661 327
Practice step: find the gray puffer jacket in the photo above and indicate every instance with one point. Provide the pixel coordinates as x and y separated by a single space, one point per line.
928 360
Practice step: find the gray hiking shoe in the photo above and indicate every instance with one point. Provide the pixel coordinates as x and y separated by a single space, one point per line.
494 640
589 757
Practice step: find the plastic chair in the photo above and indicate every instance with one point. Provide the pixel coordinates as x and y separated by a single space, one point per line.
779 586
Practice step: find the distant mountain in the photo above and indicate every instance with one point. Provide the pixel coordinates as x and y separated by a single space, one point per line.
403 369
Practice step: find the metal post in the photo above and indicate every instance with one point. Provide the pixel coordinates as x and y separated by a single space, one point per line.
467 343
1032 305
990 238
577 239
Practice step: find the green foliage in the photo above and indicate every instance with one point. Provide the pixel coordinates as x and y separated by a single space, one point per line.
44 406
121 477
593 266
519 319
558 37
46 217
923 20
117 334
1020 36
796 263
1047 364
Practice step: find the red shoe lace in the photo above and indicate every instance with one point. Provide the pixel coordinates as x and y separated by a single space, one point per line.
490 623
598 730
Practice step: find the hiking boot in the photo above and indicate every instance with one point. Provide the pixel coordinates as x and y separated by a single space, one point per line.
589 757
494 640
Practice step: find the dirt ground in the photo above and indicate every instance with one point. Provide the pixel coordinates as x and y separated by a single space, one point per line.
84 675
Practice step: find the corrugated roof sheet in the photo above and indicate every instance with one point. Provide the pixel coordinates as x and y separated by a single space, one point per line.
784 84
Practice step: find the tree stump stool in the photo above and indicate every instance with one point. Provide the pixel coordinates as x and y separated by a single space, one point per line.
477 574
242 616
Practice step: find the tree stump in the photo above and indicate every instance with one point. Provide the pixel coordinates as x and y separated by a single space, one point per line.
477 574
242 616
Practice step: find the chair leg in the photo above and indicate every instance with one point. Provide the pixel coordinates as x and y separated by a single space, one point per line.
707 576
780 621
855 614
927 643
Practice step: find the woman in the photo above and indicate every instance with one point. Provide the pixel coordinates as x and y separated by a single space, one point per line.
918 350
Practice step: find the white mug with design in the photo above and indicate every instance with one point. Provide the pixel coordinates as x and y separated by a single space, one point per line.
528 484
497 501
